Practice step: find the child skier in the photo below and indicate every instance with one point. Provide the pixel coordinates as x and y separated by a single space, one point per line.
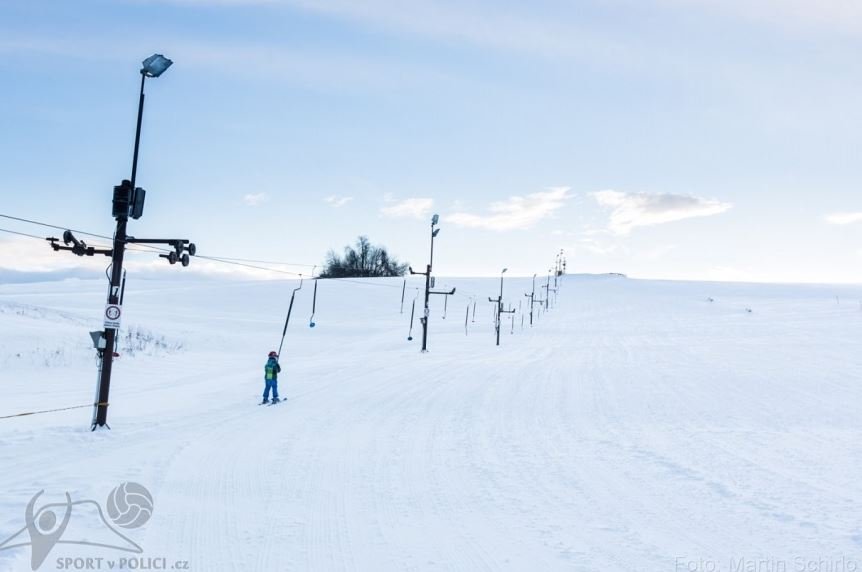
271 371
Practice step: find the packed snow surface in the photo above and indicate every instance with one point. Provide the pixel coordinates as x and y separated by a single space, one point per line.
638 425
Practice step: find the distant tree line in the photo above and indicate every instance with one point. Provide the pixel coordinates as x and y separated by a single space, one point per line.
363 260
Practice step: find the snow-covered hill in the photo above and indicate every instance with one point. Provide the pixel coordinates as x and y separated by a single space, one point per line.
638 425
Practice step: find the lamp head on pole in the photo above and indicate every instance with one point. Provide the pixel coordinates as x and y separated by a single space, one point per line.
504 271
435 219
155 65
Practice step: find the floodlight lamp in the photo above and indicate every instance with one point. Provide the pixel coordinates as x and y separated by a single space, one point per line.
155 65
435 233
504 271
435 219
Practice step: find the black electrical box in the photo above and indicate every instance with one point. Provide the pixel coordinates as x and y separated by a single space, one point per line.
138 198
122 200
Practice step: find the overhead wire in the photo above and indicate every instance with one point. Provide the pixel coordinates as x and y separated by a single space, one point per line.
54 226
22 234
239 262
267 262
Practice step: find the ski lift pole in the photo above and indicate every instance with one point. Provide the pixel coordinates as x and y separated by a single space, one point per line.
412 313
311 323
532 297
123 288
499 308
289 310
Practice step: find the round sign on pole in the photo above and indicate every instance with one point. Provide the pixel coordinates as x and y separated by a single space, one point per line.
113 313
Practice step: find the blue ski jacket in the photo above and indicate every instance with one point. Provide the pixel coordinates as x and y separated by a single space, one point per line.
271 369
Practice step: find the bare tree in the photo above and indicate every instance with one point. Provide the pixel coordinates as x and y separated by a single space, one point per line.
362 260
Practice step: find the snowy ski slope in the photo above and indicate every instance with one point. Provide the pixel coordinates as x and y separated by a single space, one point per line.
636 427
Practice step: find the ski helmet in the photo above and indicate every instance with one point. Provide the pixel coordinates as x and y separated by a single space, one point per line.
273 354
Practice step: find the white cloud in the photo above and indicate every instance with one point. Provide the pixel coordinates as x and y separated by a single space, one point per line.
255 199
476 23
337 202
26 255
515 212
630 210
843 218
834 15
408 208
324 70
597 247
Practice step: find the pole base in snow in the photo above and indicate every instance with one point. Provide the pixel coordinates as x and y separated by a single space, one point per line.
97 426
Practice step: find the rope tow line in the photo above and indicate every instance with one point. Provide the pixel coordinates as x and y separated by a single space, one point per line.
52 410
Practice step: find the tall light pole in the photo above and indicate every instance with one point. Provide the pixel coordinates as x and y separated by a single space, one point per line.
561 262
127 198
557 266
533 301
128 202
427 312
500 310
547 288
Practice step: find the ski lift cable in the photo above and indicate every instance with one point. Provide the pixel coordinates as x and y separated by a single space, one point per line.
130 248
216 259
46 225
277 262
42 238
244 265
241 262
27 413
146 246
22 234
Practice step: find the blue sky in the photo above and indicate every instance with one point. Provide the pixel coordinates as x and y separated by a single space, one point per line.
691 139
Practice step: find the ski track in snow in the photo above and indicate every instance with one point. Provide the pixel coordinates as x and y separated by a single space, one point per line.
634 424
